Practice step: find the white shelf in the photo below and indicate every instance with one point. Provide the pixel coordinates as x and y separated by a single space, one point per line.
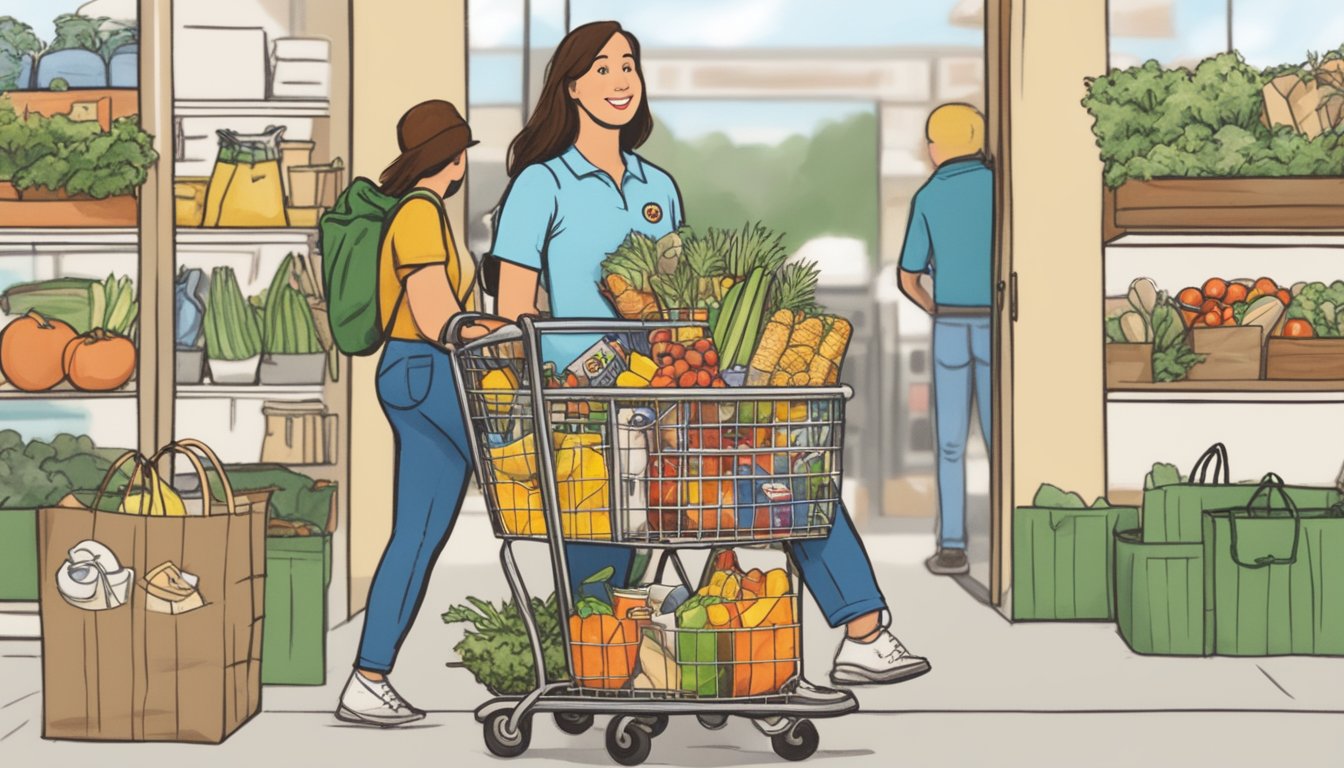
1230 240
252 108
1322 397
216 236
248 392
65 392
128 237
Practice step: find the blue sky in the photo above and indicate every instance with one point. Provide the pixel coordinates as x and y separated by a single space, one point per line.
39 13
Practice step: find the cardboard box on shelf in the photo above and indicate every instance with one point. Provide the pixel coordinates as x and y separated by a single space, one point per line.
294 153
301 68
301 80
315 185
201 54
1128 364
299 433
301 49
1231 353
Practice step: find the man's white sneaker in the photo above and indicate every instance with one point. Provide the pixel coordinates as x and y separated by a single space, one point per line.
374 703
884 660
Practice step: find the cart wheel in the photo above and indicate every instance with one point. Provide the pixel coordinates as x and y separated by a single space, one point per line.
573 722
655 723
797 743
504 742
627 741
712 722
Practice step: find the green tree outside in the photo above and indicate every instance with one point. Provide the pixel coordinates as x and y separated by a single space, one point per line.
804 187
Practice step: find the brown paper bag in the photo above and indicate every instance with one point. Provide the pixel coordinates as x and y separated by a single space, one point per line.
1309 108
128 674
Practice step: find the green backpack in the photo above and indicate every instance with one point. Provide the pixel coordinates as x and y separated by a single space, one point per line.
351 244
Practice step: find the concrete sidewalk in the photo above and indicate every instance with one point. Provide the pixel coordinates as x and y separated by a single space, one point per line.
1032 694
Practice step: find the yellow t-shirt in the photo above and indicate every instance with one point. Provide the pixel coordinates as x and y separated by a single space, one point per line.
418 237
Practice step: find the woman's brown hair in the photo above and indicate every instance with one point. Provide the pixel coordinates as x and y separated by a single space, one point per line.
554 124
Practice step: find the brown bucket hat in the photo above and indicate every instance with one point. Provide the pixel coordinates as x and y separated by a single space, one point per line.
430 133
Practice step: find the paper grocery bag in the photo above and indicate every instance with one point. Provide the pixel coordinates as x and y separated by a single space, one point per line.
129 674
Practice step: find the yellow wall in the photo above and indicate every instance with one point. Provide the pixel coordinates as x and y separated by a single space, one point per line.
1058 400
404 52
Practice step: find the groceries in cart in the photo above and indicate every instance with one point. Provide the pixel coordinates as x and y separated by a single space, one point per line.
736 636
581 481
760 307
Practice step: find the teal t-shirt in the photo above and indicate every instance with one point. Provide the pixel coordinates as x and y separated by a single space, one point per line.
563 216
951 233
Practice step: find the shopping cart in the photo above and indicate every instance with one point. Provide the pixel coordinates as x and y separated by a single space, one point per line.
663 470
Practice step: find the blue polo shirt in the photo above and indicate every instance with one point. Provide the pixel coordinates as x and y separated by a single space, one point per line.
951 233
563 216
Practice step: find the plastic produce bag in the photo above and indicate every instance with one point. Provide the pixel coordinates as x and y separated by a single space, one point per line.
245 188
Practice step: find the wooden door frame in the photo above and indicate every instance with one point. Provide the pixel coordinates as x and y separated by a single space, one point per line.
998 102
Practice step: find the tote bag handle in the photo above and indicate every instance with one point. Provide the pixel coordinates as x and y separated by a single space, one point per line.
1214 458
1271 484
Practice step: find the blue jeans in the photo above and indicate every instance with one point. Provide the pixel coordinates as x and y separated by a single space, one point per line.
433 467
961 370
837 571
418 393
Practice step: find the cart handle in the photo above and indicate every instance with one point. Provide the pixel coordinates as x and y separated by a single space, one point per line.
452 333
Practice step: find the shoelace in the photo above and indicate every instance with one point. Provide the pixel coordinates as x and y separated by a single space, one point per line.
388 695
894 650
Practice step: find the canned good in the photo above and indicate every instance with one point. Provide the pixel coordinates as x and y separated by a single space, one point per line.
780 497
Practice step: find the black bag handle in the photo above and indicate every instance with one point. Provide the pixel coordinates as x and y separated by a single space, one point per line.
1216 457
1271 483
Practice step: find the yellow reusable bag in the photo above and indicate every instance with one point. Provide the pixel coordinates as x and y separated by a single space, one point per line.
245 189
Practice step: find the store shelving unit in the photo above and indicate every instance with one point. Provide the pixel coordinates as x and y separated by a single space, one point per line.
230 417
1176 421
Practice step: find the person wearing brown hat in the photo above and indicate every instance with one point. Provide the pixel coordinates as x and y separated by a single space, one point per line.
422 283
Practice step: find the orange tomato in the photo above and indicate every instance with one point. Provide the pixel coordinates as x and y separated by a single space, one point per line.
1190 317
1235 292
1215 288
1285 297
1210 305
1298 329
1213 319
1227 316
1266 286
1191 296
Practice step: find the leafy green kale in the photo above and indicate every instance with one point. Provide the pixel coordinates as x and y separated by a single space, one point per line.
37 474
499 653
1152 122
60 153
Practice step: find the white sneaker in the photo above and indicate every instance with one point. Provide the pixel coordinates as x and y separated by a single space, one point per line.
368 703
800 690
884 660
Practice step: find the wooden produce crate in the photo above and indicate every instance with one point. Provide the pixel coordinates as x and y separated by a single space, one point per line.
1232 353
1220 205
1128 364
1304 359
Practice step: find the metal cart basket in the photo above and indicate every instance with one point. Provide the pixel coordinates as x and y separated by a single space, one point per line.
660 469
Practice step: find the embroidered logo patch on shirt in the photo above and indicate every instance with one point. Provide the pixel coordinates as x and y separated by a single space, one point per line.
653 213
